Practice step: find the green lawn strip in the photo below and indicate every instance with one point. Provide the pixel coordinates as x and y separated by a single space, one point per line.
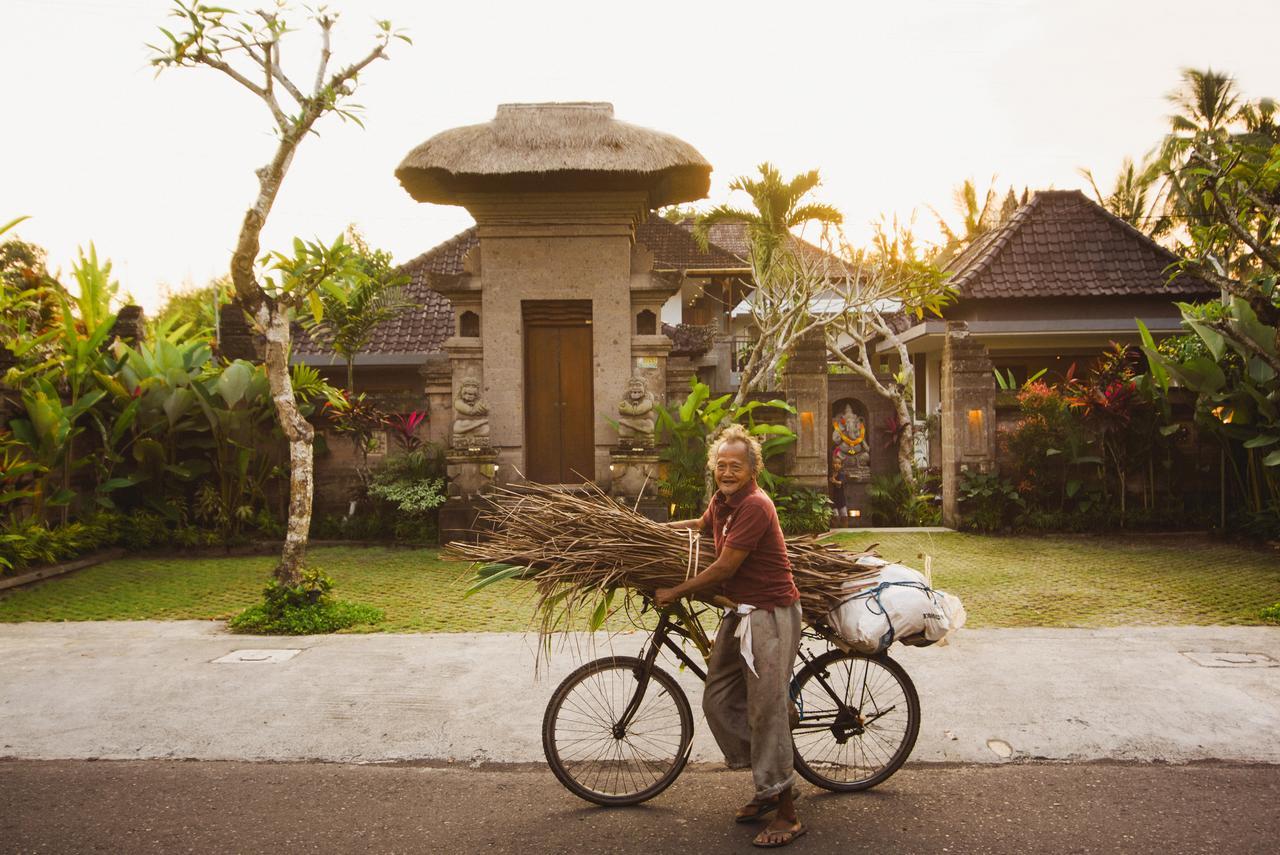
1093 581
1004 582
418 590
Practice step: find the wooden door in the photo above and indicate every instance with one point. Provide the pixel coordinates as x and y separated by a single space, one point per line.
559 427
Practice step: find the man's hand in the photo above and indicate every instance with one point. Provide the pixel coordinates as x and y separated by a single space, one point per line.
664 597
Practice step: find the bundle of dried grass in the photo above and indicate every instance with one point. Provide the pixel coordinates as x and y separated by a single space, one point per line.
580 548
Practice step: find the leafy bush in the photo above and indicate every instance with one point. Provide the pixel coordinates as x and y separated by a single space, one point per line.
803 511
1271 614
411 497
990 502
410 488
306 609
894 502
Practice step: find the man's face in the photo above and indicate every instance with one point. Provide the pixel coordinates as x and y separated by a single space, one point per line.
635 392
733 468
470 393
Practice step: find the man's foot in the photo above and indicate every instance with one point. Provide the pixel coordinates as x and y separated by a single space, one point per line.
759 808
754 810
780 832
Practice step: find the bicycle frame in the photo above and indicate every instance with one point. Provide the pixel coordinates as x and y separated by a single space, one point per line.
687 626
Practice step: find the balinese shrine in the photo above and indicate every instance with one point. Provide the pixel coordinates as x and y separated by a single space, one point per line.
556 359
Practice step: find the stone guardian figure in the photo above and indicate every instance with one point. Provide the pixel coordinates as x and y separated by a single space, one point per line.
636 416
471 416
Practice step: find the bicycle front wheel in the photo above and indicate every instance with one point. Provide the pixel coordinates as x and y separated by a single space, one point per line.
598 759
859 718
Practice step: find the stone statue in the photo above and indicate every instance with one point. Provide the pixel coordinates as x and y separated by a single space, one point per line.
471 416
849 447
636 416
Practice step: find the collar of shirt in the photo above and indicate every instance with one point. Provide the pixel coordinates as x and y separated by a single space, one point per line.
734 500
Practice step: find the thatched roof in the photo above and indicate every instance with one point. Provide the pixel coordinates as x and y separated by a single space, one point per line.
555 147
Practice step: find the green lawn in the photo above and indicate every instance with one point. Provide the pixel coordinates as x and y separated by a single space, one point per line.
1023 581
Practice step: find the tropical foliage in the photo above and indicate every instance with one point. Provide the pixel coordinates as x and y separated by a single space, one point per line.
688 428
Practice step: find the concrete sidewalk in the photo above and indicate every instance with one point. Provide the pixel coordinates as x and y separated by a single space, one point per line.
150 689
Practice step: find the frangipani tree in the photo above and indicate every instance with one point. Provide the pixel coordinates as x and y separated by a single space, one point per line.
247 49
783 276
867 293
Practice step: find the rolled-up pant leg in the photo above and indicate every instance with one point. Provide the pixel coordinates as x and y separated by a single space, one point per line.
749 715
724 699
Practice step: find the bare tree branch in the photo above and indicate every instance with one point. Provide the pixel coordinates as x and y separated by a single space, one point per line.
1223 328
1233 222
326 25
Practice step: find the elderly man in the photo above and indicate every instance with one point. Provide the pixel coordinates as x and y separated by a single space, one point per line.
746 700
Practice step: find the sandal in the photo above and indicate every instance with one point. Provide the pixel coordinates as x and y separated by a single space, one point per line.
788 837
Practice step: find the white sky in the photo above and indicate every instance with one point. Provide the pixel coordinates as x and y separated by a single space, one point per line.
895 102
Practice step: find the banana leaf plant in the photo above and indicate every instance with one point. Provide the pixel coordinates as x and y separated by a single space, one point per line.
687 430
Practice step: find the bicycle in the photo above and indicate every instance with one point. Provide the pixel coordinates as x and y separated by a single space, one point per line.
618 730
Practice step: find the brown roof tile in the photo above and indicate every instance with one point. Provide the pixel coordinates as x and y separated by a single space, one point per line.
418 329
674 248
1062 244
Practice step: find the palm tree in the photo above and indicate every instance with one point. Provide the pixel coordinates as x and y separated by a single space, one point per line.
347 310
977 218
1130 198
1210 112
778 209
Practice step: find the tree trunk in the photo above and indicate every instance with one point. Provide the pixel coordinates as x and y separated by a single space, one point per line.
906 441
299 433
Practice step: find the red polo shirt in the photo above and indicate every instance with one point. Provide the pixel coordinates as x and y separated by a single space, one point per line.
748 520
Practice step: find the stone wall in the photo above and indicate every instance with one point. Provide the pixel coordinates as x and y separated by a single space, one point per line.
805 383
968 414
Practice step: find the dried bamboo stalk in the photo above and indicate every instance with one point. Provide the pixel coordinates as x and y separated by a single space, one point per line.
576 546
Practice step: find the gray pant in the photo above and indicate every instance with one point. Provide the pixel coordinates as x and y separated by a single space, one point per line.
749 715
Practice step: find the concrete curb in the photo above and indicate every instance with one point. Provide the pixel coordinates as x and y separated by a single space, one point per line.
65 567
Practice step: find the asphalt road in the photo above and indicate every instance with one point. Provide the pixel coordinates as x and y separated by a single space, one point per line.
172 806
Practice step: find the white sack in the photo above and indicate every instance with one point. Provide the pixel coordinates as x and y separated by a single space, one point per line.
898 605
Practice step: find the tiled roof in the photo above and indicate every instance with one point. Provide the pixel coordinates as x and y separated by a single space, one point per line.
1062 244
674 248
421 328
732 238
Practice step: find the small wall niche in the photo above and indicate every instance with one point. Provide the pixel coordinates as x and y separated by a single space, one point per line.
469 325
646 323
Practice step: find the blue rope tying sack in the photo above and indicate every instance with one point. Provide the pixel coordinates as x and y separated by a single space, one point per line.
872 595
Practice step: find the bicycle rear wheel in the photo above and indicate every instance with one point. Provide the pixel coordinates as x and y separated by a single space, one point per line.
859 718
602 763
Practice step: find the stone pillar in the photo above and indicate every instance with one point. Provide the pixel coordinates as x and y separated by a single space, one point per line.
968 414
236 337
130 326
680 373
806 389
437 393
634 481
